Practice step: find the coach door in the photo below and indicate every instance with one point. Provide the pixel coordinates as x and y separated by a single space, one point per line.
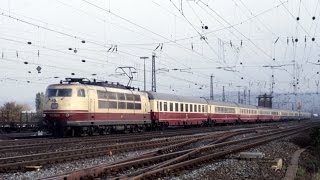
91 104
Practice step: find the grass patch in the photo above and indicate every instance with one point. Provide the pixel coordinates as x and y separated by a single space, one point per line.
301 172
317 176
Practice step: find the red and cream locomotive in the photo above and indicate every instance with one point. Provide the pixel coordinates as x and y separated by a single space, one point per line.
78 106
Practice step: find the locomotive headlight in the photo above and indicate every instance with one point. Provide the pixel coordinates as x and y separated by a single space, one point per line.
67 115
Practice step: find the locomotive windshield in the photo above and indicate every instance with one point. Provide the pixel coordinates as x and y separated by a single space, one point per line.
59 92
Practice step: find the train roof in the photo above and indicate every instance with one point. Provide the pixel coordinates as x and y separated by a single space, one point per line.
177 98
219 103
171 97
247 106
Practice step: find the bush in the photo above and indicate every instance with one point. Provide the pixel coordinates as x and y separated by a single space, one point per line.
315 137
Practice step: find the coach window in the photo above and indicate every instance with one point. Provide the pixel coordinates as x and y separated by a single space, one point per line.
165 106
195 108
157 104
181 107
202 108
171 107
160 107
191 108
187 107
81 93
176 107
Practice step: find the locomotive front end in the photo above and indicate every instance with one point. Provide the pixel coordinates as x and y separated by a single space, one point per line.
64 103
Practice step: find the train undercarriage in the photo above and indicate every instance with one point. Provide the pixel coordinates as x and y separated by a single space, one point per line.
61 129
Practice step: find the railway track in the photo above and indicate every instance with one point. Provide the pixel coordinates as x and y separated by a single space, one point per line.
21 147
169 132
167 162
19 162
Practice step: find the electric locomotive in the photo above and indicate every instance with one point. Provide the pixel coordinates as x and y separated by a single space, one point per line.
78 106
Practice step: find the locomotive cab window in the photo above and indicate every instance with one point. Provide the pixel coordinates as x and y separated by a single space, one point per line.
59 92
81 93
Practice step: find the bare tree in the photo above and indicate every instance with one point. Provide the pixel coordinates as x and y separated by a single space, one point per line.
11 112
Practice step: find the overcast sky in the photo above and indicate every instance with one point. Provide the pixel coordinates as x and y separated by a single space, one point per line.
231 39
